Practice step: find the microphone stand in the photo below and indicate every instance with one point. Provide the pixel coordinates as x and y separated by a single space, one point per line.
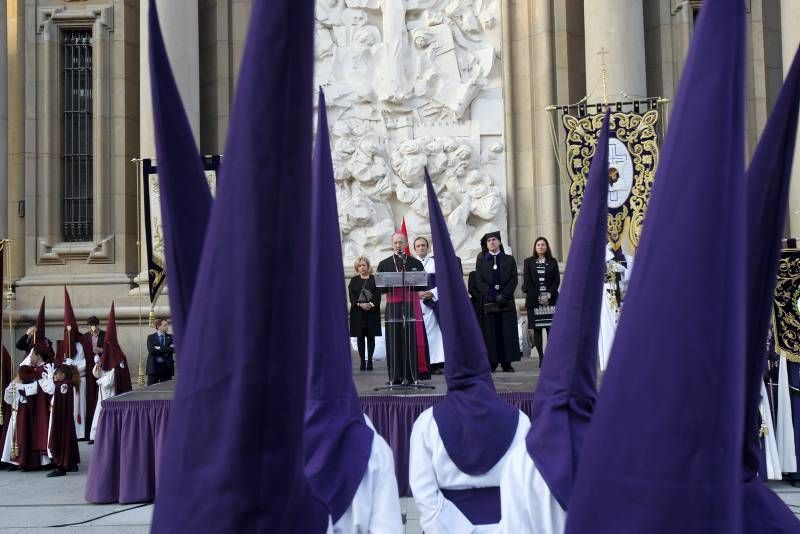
407 363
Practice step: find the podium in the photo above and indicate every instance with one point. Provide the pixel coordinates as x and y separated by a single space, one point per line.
401 326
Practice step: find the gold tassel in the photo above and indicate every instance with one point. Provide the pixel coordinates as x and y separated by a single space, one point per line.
15 445
151 318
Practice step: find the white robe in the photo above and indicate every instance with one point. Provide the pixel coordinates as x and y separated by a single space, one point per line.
11 396
784 433
79 406
526 502
431 468
608 315
435 346
770 445
376 505
105 390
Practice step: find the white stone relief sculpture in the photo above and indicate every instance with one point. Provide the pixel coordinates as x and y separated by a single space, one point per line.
410 84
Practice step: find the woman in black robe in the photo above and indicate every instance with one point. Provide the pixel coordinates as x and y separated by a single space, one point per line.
496 280
365 311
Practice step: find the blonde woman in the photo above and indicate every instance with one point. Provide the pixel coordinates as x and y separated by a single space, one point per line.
365 310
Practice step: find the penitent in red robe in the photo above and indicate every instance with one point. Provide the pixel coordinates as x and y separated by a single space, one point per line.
63 443
33 417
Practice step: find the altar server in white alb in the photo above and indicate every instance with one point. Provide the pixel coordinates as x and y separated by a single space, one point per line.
430 299
537 480
459 447
618 269
349 466
111 371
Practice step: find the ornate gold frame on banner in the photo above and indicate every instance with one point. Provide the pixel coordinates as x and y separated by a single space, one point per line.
637 131
786 308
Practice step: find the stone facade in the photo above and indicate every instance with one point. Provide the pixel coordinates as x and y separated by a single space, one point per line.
525 55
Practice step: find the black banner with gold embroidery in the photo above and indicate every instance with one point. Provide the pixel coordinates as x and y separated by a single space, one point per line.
632 158
786 308
153 231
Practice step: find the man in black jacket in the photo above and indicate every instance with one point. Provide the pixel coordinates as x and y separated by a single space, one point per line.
160 362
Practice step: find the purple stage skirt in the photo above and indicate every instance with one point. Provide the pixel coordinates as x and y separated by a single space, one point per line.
128 442
126 451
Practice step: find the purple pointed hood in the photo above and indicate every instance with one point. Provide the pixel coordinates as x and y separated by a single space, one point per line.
767 193
338 441
664 450
471 412
184 193
567 387
232 459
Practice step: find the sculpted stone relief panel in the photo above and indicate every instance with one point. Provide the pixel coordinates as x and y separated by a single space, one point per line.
411 83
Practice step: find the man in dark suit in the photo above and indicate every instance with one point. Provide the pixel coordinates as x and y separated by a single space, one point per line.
160 362
405 346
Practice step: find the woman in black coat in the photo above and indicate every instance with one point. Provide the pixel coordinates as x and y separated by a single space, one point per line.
365 310
540 281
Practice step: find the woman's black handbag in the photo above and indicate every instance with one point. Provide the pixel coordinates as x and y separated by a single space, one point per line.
365 297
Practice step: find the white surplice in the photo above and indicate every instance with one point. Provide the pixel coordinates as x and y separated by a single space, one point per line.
430 468
105 390
526 501
376 505
432 331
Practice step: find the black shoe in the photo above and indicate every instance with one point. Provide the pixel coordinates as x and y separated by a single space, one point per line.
90 442
362 367
436 372
74 469
14 468
369 366
508 369
796 483
56 473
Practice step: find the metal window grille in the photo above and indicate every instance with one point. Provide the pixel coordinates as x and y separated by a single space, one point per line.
77 134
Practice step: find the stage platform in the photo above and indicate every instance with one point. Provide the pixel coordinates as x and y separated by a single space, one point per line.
521 381
132 427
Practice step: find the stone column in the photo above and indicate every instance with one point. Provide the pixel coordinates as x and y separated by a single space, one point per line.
546 170
790 37
15 20
179 25
3 122
615 29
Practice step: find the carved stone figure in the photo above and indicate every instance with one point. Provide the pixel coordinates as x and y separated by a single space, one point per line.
401 78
